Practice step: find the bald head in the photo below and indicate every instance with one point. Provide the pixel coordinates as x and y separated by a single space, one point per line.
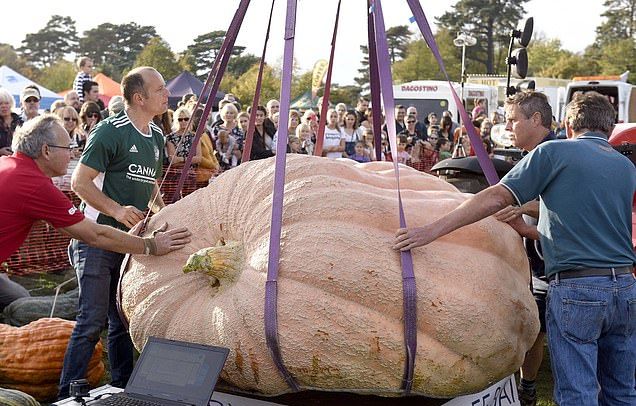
134 82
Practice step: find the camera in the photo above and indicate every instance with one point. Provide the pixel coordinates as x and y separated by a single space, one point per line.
79 388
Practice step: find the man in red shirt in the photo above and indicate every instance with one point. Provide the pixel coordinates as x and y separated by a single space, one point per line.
43 151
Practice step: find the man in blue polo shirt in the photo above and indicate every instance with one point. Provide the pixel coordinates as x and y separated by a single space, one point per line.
586 191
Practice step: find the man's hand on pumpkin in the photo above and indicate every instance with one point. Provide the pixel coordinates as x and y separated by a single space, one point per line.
170 239
508 214
409 238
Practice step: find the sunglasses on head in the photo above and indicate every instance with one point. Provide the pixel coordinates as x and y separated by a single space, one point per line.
70 119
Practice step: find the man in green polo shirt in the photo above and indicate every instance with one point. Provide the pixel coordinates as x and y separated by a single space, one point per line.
117 180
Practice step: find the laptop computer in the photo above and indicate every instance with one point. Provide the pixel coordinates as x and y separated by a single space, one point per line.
172 373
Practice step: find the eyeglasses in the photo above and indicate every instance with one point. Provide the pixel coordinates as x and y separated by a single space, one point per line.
69 148
183 119
31 100
70 118
93 115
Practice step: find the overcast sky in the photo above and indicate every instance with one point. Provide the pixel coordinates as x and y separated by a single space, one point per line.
180 22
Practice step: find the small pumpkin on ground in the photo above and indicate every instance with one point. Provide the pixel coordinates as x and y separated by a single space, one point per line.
23 311
12 397
31 357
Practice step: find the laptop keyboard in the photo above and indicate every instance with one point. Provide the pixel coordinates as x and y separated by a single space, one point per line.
122 400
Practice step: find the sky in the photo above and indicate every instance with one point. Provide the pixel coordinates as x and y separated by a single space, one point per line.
179 23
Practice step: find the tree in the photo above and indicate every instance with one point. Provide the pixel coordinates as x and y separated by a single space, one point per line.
131 40
205 49
620 22
618 57
10 58
114 48
487 20
238 65
397 39
544 54
58 76
57 39
245 85
100 44
420 64
344 94
301 84
158 55
364 79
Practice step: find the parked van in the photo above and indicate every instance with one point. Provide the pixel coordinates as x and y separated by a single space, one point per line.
621 94
435 96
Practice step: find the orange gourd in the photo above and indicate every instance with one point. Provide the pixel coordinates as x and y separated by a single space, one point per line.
31 357
339 286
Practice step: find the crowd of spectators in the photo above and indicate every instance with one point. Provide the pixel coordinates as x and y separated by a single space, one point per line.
421 143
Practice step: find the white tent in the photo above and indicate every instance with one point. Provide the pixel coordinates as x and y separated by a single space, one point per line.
14 83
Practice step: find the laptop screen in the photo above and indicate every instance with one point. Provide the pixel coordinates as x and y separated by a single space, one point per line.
177 371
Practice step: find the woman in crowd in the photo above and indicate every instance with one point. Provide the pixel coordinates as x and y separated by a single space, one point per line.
411 132
341 109
9 121
352 133
446 128
334 142
243 121
90 115
294 120
209 165
229 123
260 148
178 145
71 120
303 132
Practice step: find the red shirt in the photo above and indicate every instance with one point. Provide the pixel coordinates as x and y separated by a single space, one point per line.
28 195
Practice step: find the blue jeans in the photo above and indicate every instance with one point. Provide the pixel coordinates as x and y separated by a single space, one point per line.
97 274
592 340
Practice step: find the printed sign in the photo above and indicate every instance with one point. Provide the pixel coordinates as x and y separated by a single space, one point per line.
503 393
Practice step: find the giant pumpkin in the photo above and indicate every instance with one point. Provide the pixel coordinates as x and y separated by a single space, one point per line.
340 288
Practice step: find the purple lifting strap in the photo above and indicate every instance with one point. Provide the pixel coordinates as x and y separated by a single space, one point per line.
249 137
224 56
409 291
271 286
320 137
482 156
374 81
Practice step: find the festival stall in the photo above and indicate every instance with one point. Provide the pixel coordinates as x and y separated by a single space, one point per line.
15 82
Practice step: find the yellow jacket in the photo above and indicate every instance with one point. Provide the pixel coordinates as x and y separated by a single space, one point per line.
209 164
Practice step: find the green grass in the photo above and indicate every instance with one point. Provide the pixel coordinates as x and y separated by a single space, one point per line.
544 382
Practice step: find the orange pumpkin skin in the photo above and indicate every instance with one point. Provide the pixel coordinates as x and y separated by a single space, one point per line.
339 287
31 357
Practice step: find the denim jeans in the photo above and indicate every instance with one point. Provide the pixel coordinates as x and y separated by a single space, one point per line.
592 340
97 274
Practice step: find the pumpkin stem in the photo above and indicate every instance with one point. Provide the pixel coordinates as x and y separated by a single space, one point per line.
222 262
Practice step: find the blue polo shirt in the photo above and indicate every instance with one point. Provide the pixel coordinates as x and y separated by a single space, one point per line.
586 190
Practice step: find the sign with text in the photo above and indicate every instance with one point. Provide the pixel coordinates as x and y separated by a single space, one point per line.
503 393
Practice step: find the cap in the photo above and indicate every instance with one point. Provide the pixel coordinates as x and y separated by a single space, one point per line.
30 92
